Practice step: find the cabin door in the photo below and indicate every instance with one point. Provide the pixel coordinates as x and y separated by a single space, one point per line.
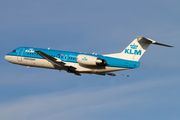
19 55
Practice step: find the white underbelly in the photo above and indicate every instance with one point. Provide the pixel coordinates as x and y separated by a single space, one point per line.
43 63
28 61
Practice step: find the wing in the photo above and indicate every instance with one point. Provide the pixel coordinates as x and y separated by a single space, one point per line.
58 63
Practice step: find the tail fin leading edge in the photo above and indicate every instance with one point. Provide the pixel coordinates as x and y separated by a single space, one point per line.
136 49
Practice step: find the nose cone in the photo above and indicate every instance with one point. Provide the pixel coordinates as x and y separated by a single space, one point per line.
7 58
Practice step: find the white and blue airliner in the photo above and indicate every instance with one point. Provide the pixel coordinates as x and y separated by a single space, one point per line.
77 63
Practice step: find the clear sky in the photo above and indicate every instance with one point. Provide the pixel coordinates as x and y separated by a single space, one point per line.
152 91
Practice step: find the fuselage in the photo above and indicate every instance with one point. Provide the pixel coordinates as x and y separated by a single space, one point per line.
28 57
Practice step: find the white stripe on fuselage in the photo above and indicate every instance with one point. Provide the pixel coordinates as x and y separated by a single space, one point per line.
43 63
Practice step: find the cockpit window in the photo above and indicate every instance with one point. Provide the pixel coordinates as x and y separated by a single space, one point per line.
14 51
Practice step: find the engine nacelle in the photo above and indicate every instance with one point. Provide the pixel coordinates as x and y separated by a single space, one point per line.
90 60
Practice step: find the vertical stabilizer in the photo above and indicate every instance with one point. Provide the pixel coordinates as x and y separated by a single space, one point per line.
136 49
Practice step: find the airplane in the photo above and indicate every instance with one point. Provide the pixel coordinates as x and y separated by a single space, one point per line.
77 62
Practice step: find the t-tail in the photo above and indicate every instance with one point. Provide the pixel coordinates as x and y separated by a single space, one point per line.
136 49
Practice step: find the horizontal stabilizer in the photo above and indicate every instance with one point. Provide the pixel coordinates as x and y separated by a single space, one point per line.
151 41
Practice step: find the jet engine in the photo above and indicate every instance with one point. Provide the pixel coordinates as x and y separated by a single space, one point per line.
90 60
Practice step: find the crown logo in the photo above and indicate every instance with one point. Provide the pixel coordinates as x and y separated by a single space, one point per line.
85 59
134 46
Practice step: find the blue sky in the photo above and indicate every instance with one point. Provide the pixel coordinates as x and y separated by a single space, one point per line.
101 26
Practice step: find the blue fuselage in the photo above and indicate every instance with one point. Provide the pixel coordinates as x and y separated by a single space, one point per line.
28 57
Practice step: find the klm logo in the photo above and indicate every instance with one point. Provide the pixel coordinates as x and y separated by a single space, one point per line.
133 51
30 50
85 59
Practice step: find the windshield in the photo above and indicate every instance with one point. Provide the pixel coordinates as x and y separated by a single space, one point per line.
14 51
